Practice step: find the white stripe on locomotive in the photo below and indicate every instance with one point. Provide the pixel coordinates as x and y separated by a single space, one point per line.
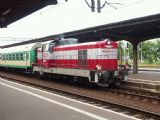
97 53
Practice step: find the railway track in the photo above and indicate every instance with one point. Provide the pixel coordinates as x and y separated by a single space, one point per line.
138 94
105 98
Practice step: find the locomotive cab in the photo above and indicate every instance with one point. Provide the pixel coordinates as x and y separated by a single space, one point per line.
44 54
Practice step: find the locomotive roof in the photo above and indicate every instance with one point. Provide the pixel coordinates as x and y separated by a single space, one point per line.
27 47
88 44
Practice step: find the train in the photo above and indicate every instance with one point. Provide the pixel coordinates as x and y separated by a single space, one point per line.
96 61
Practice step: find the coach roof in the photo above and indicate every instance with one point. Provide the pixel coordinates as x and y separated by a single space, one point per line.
27 47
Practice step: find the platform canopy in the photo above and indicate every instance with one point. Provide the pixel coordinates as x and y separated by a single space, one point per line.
132 30
13 10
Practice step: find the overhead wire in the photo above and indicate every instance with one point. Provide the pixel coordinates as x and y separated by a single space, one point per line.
107 11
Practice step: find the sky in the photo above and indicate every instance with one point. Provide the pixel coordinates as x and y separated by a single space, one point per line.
74 15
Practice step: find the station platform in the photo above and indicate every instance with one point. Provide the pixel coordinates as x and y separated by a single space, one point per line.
21 102
146 79
150 69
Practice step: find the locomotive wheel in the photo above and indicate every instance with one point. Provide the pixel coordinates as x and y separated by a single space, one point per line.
118 83
38 75
106 76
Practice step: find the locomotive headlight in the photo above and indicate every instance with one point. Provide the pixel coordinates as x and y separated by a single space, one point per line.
109 42
99 68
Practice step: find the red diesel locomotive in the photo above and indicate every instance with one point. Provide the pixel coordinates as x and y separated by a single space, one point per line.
95 61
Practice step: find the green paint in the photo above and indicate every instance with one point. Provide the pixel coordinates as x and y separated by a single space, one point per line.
27 61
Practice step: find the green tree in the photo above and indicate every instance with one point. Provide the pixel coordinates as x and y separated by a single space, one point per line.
130 49
150 53
120 50
158 49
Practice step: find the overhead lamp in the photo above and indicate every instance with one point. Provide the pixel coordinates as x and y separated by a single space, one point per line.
7 11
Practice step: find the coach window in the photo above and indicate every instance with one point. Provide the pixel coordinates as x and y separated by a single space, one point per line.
27 56
17 56
24 56
13 56
10 57
3 56
6 56
21 56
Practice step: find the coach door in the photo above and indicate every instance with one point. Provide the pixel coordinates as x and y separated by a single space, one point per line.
27 59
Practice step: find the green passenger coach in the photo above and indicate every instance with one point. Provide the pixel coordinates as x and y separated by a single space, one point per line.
22 56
